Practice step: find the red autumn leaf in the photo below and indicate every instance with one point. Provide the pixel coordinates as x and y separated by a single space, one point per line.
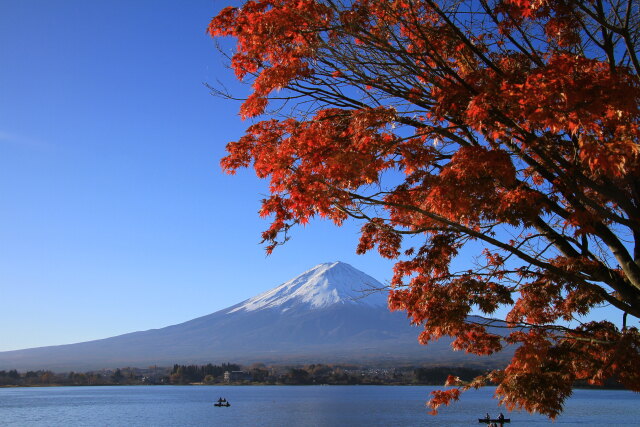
525 144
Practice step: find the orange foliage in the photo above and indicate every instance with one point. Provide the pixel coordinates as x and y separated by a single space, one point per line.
517 130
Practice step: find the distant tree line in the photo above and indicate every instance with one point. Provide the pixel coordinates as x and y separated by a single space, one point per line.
185 374
231 373
315 374
120 376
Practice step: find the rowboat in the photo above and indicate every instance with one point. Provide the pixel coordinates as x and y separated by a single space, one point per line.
222 402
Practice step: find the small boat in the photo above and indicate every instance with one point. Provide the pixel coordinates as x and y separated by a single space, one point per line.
496 420
222 402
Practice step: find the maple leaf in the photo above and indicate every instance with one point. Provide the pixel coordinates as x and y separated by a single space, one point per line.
522 143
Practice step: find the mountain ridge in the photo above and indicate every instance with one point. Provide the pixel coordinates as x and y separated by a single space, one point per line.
328 314
321 286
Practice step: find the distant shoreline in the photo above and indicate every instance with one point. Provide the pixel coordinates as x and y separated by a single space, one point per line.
604 388
230 374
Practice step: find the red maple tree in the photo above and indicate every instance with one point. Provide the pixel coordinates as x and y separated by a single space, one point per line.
451 125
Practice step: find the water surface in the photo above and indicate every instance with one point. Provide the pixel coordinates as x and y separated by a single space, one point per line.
297 406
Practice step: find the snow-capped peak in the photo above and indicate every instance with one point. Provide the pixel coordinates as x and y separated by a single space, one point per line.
322 286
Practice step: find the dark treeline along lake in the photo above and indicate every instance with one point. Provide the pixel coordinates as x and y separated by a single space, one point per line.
300 406
231 373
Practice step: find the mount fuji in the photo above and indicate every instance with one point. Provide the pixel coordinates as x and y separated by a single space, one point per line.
332 313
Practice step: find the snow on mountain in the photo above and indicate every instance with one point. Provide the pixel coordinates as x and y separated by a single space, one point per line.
320 287
329 314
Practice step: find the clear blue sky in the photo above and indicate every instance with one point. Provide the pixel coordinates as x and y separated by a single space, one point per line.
114 213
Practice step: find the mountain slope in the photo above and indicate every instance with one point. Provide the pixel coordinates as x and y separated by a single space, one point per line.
331 313
322 286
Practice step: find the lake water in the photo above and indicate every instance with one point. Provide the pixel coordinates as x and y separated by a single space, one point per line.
287 406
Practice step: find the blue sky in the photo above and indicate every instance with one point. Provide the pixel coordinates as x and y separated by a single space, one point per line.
115 215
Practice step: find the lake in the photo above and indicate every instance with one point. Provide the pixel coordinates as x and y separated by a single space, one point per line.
289 406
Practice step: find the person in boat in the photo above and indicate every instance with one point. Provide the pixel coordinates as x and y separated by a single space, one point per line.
487 417
501 417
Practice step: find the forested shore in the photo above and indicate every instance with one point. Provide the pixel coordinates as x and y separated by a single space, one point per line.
235 374
256 374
